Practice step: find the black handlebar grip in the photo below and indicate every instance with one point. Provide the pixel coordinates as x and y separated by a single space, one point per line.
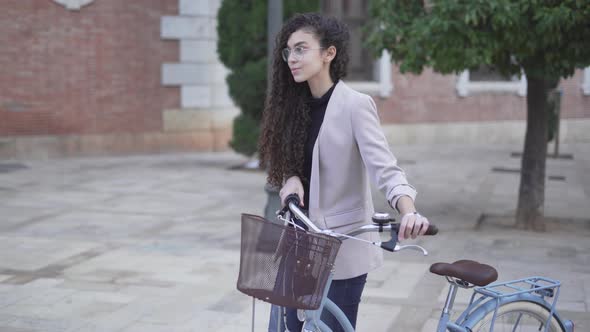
293 198
432 230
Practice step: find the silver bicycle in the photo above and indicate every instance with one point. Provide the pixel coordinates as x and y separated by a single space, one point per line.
292 266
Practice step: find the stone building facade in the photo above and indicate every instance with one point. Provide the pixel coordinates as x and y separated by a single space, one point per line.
96 77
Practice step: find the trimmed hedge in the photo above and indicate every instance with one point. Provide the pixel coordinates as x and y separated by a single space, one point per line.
242 48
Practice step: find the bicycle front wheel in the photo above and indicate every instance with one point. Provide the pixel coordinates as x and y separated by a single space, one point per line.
519 316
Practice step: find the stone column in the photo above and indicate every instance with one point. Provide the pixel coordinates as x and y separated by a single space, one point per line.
206 107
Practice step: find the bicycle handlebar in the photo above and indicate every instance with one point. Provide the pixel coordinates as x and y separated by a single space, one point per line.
292 203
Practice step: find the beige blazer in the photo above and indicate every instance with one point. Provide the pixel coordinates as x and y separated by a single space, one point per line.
351 149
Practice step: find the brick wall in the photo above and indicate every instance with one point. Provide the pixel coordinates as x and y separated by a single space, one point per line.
93 71
431 97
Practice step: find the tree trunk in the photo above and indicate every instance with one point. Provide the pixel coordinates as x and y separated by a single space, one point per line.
531 197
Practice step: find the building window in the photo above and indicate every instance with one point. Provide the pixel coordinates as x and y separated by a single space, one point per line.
487 74
484 79
586 82
74 4
365 74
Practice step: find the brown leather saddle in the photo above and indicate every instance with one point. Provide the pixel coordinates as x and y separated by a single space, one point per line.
467 270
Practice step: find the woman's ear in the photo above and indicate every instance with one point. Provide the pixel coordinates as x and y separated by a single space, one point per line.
330 54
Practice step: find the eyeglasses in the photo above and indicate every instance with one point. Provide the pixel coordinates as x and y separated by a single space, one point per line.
298 52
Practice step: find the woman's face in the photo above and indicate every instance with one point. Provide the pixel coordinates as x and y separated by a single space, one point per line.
304 55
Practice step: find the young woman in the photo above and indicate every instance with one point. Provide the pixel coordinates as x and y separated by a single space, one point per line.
323 140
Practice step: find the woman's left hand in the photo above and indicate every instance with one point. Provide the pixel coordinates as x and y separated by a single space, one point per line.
412 225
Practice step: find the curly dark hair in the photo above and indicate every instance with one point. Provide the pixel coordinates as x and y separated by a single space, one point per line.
286 115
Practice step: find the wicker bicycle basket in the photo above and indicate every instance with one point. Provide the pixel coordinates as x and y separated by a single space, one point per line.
283 265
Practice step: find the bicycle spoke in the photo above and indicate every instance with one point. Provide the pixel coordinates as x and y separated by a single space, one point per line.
516 321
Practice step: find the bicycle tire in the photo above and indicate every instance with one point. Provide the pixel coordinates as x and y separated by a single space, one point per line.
508 314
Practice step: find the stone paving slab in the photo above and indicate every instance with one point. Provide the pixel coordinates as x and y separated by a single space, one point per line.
151 243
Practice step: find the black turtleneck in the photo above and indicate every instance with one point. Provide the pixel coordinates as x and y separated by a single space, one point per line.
317 108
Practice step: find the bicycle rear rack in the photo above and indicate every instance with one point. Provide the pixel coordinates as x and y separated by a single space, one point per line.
541 287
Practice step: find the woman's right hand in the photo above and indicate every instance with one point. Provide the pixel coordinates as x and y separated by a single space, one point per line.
293 185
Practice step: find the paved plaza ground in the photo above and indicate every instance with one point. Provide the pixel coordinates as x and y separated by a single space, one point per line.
151 243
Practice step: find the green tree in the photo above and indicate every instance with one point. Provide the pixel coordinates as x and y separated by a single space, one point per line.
242 48
545 39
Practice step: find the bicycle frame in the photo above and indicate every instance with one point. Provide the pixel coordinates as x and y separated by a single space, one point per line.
489 301
313 320
476 311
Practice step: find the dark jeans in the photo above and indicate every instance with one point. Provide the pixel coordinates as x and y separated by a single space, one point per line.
347 296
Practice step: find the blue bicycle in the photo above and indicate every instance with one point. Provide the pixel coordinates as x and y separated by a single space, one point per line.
292 266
